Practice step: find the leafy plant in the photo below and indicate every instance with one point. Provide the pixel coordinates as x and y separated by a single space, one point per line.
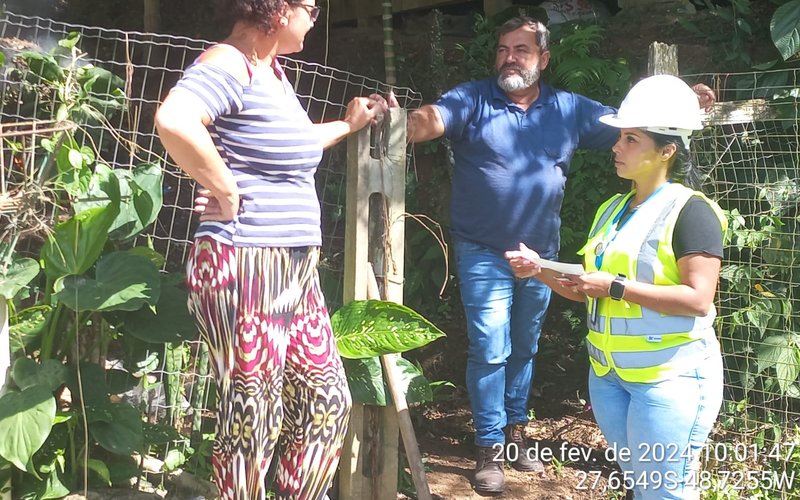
66 414
367 329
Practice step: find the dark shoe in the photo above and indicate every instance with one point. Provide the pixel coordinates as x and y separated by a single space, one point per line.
489 476
518 449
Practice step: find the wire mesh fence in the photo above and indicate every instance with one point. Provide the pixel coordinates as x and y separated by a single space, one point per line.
145 66
751 156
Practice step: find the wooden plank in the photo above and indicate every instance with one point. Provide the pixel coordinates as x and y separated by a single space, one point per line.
662 59
375 192
732 112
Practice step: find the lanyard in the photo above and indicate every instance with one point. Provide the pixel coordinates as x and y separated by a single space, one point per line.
609 236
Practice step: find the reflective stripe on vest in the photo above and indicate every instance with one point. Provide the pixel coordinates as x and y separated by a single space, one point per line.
640 344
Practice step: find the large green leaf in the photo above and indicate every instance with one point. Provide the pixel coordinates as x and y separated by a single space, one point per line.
787 368
365 379
785 28
50 373
367 385
170 322
149 180
92 381
74 245
25 421
413 383
771 351
123 435
139 197
367 328
17 276
123 282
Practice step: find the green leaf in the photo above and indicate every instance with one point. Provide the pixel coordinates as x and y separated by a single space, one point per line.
25 421
54 488
17 276
76 244
93 382
370 328
412 382
174 459
123 282
771 351
785 28
170 322
28 373
123 435
365 378
367 384
99 468
27 326
138 191
155 434
70 41
787 368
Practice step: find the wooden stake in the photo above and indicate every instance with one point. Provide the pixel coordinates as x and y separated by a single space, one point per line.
389 363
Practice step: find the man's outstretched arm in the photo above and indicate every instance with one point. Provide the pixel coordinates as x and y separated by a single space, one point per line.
424 124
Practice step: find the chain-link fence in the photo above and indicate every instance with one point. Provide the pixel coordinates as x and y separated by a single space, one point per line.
751 154
177 391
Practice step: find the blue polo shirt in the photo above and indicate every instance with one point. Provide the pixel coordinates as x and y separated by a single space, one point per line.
511 165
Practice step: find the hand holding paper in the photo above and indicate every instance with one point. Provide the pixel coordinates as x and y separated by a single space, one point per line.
526 263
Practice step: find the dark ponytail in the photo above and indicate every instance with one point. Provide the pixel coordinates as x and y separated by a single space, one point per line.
682 170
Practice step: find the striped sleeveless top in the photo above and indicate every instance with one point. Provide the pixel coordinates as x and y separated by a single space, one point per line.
266 139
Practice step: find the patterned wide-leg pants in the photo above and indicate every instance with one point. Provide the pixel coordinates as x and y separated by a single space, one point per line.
279 376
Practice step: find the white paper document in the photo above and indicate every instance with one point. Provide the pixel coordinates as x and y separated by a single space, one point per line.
560 267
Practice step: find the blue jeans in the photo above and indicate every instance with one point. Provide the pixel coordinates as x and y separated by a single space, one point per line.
663 426
504 319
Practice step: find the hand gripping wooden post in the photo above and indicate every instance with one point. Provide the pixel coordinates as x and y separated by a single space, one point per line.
374 239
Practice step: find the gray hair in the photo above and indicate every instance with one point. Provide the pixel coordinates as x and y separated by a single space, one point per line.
542 33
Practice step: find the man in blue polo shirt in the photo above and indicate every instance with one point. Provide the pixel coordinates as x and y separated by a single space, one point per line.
512 137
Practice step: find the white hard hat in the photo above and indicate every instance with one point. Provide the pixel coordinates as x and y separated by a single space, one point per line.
662 104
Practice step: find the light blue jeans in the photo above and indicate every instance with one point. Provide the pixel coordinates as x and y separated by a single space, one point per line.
504 319
656 431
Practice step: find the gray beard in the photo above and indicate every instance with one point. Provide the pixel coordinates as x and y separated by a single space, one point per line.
521 81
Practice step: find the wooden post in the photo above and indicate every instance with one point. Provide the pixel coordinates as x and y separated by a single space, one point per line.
662 59
5 368
375 204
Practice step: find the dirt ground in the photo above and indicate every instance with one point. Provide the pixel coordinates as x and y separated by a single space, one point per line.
448 454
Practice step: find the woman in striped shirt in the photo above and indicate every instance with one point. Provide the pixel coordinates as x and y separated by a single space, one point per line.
234 124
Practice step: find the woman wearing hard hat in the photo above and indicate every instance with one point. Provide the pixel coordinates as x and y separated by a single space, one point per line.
652 262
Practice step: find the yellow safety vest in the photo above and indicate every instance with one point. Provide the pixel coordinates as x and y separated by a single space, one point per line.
640 344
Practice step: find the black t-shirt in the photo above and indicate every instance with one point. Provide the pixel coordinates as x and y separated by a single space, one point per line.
697 230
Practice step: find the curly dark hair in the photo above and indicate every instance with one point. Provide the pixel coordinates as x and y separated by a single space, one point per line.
263 14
